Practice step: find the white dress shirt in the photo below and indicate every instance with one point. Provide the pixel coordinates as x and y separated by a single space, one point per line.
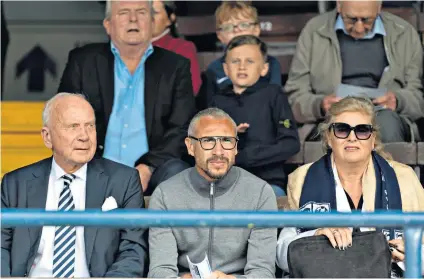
290 234
43 262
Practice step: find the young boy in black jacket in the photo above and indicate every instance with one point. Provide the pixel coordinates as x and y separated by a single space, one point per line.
266 128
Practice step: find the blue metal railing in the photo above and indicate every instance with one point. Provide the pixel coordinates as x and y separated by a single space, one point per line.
413 223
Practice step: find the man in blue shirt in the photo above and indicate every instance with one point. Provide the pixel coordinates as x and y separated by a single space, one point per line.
142 95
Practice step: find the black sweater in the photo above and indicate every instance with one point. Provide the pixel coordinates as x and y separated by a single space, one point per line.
272 136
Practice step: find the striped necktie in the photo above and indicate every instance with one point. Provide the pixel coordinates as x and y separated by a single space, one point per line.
65 236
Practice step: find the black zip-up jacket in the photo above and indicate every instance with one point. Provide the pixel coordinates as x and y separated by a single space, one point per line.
272 136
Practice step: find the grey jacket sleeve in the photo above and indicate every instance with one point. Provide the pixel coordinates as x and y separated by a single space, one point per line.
261 250
163 245
410 99
306 105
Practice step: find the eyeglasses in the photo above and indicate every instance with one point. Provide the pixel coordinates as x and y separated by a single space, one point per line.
242 26
208 143
354 20
342 130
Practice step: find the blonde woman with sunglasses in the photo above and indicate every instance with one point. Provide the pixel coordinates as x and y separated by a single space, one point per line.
355 174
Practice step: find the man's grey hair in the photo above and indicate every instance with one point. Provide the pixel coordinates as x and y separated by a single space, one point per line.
211 112
377 2
48 107
108 8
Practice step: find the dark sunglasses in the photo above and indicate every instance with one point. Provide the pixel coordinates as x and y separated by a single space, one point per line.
342 130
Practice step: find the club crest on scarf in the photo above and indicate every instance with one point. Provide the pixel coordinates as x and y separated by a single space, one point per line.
398 234
319 190
316 207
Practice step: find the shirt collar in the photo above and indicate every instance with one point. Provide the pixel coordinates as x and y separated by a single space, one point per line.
336 174
203 186
58 172
146 54
161 35
377 29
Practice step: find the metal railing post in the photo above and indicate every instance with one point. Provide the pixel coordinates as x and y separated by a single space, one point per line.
413 236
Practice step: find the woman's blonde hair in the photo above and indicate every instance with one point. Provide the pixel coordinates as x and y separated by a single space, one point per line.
352 104
230 9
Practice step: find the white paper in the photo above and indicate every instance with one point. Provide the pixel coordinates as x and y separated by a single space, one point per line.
200 270
345 90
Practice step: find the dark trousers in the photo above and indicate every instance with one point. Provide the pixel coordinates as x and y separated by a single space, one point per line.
164 172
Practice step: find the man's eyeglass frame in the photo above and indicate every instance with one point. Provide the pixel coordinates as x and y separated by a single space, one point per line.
216 138
234 26
354 20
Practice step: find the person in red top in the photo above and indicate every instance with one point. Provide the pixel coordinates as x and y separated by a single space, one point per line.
165 35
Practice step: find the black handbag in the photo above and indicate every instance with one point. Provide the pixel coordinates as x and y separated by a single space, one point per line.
312 257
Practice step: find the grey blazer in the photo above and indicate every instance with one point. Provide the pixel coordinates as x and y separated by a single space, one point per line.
110 252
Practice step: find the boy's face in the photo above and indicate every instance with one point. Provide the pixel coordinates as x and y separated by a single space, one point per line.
244 26
244 65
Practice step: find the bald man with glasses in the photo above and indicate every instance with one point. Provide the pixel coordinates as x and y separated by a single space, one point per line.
213 184
357 44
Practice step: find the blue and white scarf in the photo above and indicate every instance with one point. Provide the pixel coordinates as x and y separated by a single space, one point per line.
319 189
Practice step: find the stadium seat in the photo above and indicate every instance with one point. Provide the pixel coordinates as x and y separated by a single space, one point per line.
421 153
21 142
205 58
420 157
403 152
274 28
313 151
303 131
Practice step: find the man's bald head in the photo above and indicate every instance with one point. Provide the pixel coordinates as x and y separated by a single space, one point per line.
359 4
69 130
358 16
53 105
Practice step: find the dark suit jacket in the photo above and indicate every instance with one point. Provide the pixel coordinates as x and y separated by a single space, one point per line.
169 100
110 252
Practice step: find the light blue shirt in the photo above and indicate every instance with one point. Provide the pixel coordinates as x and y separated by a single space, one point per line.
377 29
126 136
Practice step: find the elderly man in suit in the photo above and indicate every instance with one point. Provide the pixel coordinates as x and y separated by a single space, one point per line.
72 180
142 95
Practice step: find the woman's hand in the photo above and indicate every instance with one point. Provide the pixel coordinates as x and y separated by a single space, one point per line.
219 274
339 237
397 247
